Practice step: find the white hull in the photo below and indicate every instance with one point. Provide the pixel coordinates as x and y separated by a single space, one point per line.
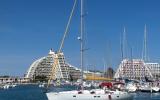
73 95
131 88
156 89
41 85
6 86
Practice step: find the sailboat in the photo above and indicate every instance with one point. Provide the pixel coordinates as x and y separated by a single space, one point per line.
82 94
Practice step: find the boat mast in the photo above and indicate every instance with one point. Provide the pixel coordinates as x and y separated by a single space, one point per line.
132 66
81 42
124 43
123 52
145 43
144 51
56 60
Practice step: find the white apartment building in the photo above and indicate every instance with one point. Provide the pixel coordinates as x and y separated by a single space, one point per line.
137 69
43 66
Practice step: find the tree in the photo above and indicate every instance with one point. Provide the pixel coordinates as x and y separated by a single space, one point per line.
109 73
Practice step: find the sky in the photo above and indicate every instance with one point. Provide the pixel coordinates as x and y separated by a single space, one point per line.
29 28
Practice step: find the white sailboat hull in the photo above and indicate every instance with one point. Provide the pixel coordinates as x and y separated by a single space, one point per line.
156 89
72 95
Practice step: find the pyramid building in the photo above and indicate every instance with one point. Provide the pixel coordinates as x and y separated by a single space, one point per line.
43 67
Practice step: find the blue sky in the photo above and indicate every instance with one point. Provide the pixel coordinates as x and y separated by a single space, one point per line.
29 28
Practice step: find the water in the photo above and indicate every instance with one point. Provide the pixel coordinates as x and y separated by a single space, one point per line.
146 96
33 92
27 92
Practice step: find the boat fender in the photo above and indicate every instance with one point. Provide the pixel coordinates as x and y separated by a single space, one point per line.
79 92
109 97
92 92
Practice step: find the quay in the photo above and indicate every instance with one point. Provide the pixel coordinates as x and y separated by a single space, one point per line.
4 80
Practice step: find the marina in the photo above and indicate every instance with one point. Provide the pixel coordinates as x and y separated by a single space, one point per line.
83 93
33 92
71 70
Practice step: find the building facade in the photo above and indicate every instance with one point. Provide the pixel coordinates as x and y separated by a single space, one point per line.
43 67
137 69
155 69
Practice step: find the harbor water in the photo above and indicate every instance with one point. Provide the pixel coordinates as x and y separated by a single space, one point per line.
33 92
23 92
